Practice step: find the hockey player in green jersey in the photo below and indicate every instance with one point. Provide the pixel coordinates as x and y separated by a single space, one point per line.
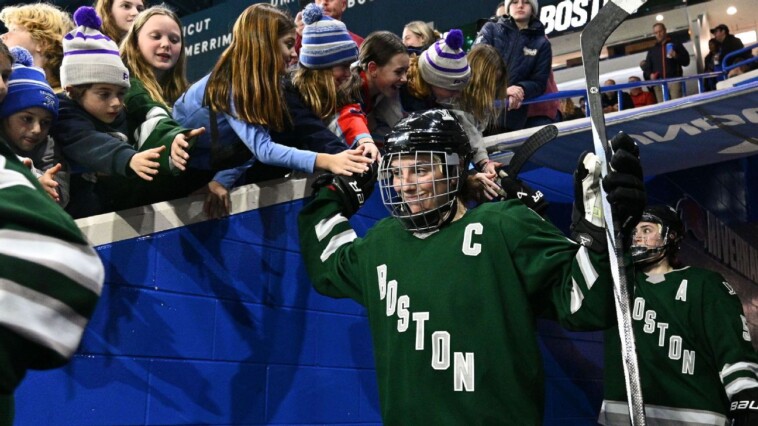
697 364
452 294
50 280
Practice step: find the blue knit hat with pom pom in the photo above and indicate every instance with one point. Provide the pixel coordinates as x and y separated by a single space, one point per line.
326 41
444 63
27 87
89 56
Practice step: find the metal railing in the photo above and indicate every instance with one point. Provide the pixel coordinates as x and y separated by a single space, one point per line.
661 82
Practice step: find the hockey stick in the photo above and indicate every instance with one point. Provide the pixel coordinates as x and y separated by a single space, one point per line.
592 39
529 147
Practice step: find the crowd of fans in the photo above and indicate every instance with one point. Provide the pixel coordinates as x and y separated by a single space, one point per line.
102 112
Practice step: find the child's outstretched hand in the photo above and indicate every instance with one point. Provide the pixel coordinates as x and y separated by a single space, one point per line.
49 184
180 145
345 163
369 148
217 202
142 163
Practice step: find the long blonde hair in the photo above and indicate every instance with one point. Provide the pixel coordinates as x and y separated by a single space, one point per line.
424 31
47 25
104 11
478 97
174 81
249 70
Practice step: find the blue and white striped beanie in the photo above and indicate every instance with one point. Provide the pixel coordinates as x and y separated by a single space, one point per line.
27 87
444 63
326 42
89 56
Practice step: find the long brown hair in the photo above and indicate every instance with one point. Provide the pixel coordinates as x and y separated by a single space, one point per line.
318 90
174 81
478 97
104 11
249 70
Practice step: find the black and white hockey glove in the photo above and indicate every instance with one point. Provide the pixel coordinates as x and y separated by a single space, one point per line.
353 190
587 223
515 188
743 409
623 184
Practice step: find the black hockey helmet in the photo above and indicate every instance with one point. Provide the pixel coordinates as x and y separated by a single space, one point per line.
429 138
431 130
671 230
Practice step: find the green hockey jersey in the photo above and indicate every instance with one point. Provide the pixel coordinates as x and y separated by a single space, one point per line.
693 348
50 280
452 313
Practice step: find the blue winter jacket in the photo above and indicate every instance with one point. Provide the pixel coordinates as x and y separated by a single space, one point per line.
528 57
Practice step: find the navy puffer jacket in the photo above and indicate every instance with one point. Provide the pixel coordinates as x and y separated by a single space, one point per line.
528 56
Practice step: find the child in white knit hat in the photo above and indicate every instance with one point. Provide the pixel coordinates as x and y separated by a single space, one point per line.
26 114
92 126
436 79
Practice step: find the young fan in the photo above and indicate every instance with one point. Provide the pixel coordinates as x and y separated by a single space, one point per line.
28 111
39 28
118 16
436 79
324 81
92 128
242 98
382 70
153 51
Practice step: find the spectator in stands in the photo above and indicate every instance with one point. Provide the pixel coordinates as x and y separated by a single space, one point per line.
241 100
711 63
153 51
569 110
29 109
665 60
729 44
324 81
418 36
382 66
91 128
610 100
436 79
39 28
332 8
639 96
545 112
520 39
501 10
118 16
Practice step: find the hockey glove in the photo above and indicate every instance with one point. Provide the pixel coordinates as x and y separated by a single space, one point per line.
515 188
623 184
353 190
587 223
743 410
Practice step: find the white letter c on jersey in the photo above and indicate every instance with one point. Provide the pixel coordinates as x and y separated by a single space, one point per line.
469 248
